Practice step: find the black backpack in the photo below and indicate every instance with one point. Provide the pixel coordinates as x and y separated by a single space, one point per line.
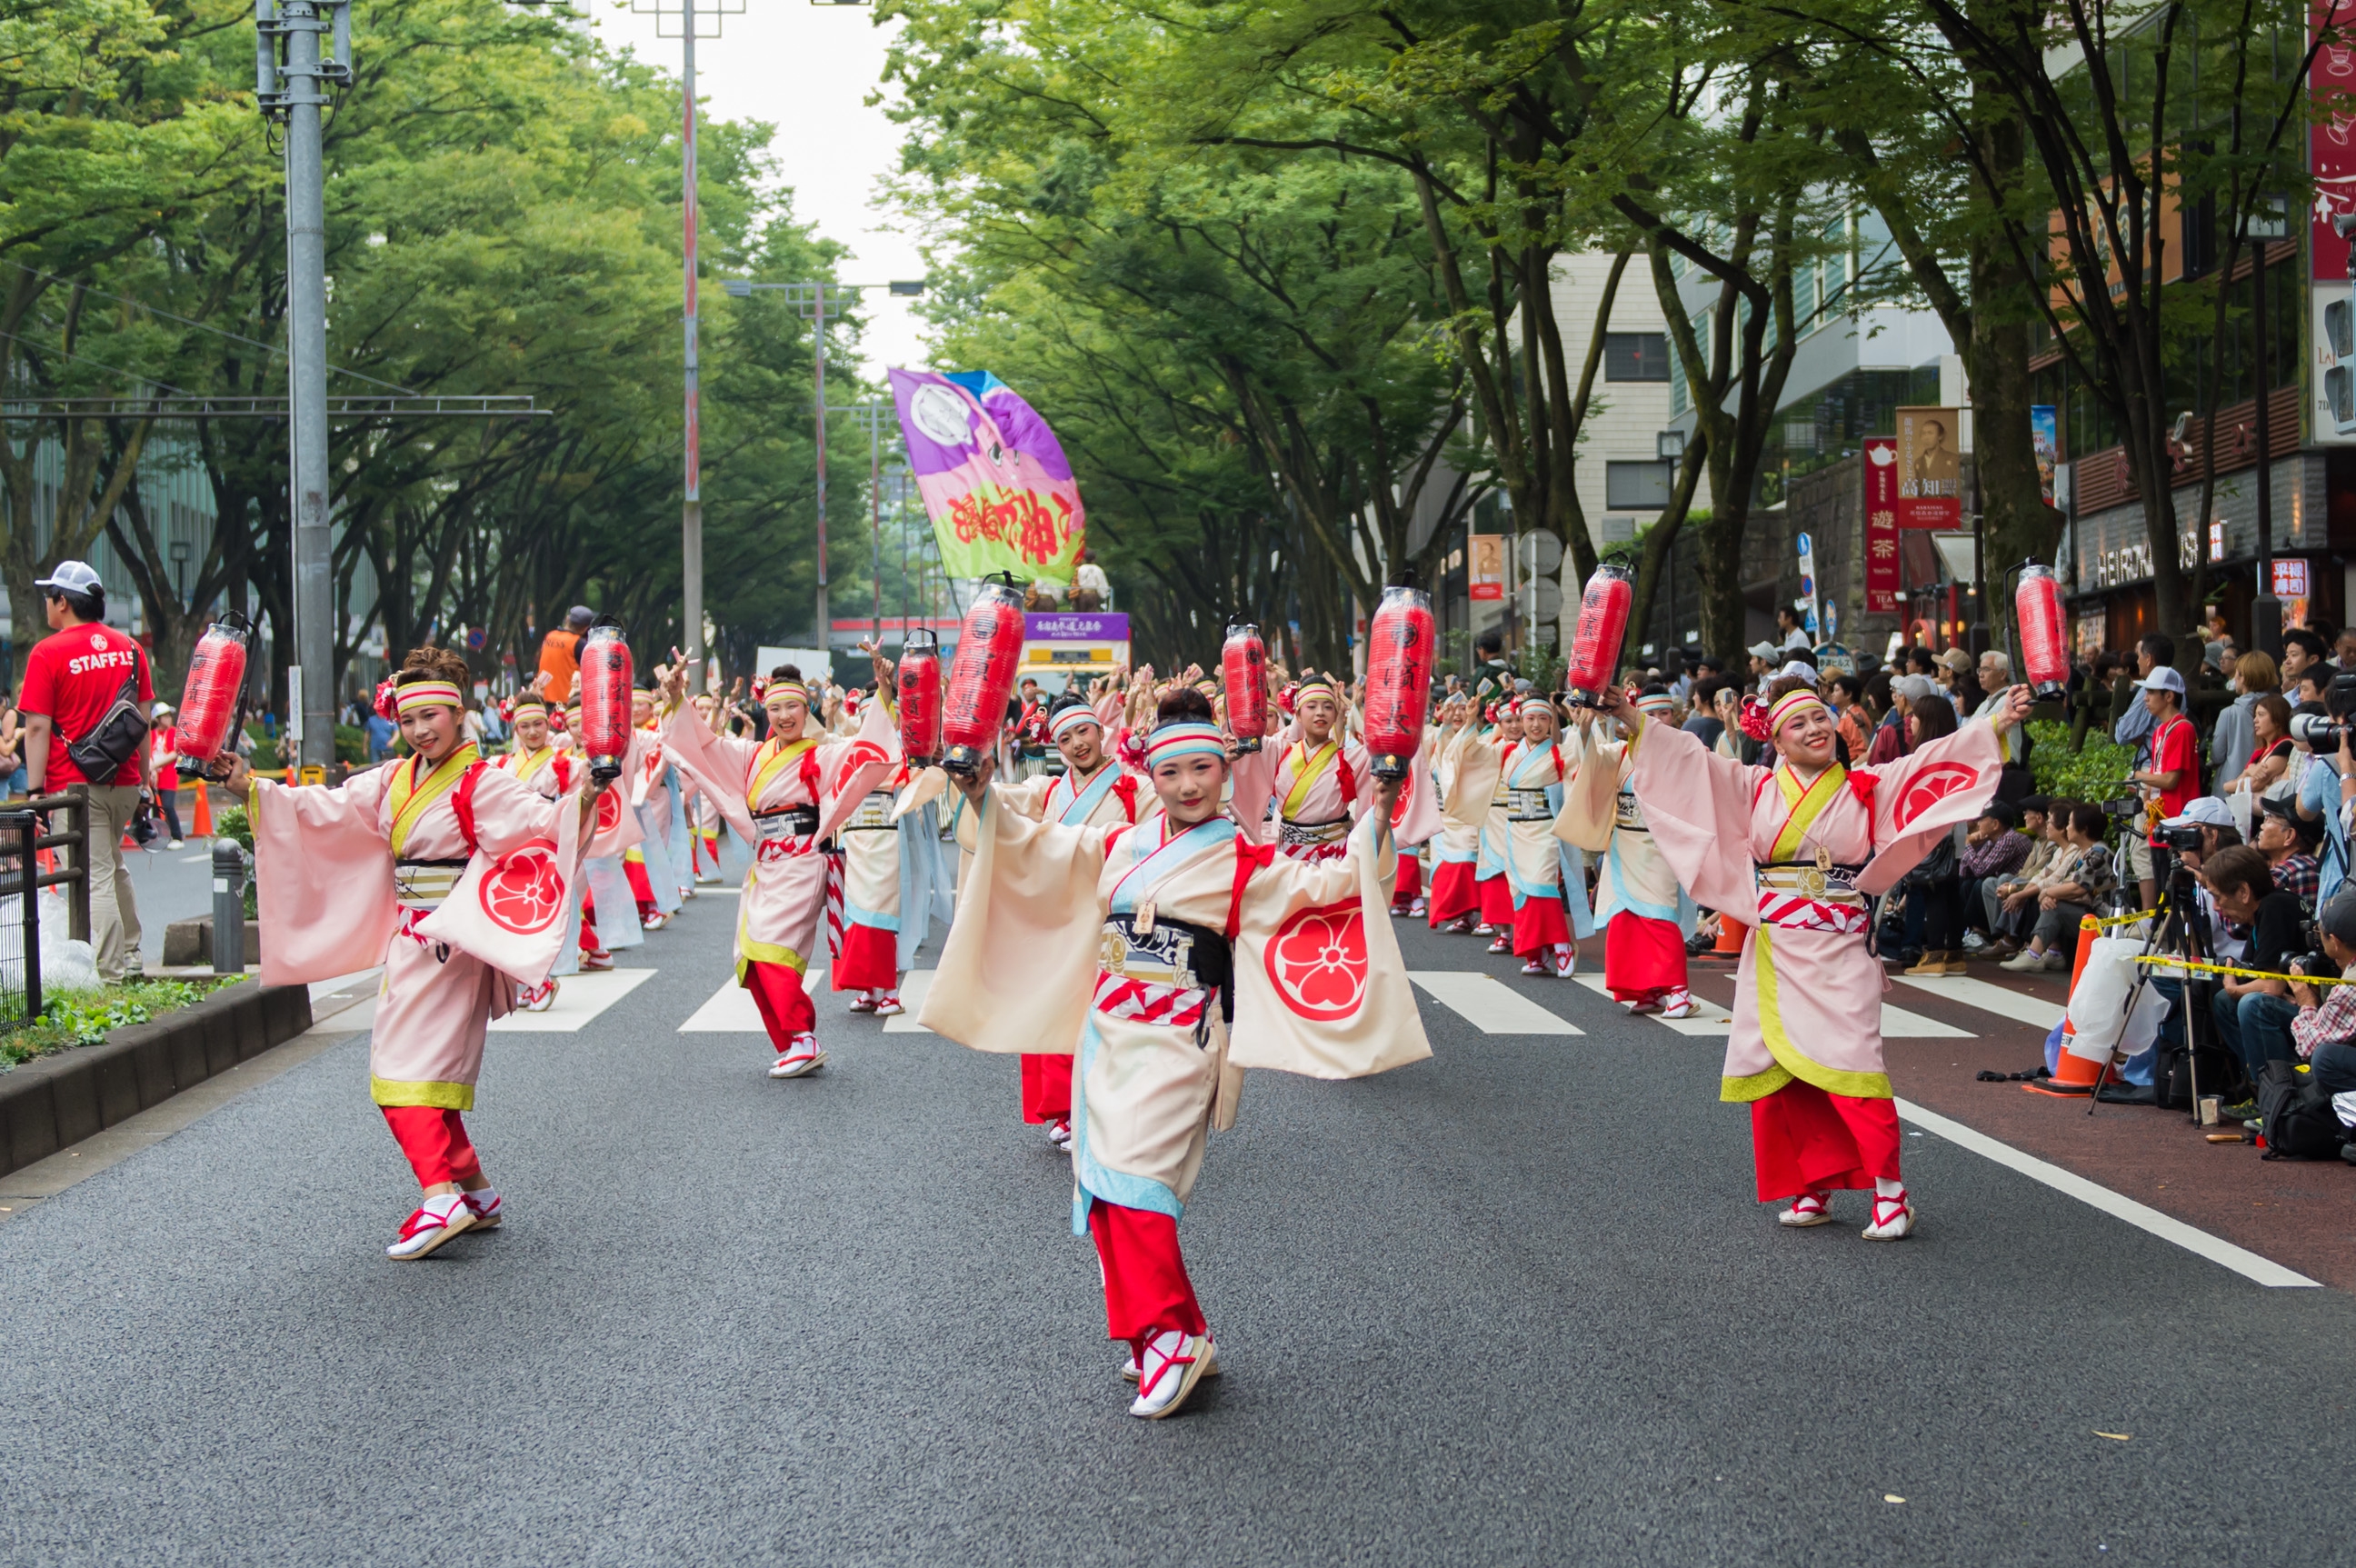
116 738
2297 1115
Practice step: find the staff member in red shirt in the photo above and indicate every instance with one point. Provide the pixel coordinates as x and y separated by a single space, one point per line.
2170 774
72 679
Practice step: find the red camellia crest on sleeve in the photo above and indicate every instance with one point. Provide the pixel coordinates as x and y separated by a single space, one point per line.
524 892
609 812
1317 960
1930 786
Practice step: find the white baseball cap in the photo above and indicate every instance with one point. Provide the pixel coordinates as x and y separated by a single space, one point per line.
1763 649
2162 679
73 577
2205 811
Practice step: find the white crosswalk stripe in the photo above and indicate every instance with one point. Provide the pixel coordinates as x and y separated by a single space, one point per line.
2017 1005
1489 1004
580 998
733 1011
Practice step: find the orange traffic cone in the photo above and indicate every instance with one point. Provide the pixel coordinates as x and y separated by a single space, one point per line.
1730 933
2075 1071
202 818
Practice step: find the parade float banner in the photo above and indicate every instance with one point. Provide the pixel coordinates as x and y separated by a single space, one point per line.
994 477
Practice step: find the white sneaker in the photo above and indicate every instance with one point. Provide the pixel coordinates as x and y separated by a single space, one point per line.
888 1005
484 1205
1893 1219
802 1056
2025 962
436 1220
177 844
1808 1209
1974 942
1173 1364
1059 1132
1679 1005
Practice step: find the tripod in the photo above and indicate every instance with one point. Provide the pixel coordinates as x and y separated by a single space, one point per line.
2177 929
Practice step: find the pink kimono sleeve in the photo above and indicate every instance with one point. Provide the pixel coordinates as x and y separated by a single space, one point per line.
1925 794
1255 786
322 878
718 764
1698 805
508 815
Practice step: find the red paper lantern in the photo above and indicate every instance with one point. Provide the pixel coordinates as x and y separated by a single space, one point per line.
920 698
981 678
212 700
1399 647
2044 650
1242 662
1602 628
605 680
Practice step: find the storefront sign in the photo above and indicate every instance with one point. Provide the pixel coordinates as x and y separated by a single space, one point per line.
1882 575
1930 469
2290 579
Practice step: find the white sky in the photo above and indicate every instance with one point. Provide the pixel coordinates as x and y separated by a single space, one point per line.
807 70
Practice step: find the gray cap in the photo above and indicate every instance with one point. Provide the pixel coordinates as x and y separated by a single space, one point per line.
2337 918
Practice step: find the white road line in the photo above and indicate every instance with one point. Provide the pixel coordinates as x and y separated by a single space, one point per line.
2242 1261
579 999
1897 1023
1489 1004
1989 998
913 986
1712 1019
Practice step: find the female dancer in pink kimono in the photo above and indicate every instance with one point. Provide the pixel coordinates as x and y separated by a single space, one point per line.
785 797
433 811
1319 776
1806 845
1131 941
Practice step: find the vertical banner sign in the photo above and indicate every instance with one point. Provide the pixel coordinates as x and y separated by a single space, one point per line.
1930 471
1487 564
994 477
2045 442
2332 142
1881 586
1808 607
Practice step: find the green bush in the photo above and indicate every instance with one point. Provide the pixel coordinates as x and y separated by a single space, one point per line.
2097 774
71 1018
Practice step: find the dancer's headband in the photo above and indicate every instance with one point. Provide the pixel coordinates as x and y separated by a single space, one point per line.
427 694
1070 719
1187 737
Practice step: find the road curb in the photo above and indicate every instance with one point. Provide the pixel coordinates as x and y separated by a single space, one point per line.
53 1102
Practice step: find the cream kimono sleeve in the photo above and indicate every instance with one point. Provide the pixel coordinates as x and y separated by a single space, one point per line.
1591 799
1019 967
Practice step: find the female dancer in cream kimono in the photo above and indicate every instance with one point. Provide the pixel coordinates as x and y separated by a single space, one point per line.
877 899
1638 903
1467 776
1550 888
784 796
1320 778
1490 881
1805 844
1094 790
1130 941
317 851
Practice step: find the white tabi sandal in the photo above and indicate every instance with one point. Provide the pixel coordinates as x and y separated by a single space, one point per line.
1173 1364
435 1221
1808 1209
802 1057
1893 1219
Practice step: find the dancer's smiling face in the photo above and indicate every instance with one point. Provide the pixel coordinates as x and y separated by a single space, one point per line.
1189 787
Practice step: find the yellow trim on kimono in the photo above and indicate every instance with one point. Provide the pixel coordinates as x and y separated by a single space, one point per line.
1791 1062
409 798
750 952
1307 770
531 762
769 762
437 1096
1804 805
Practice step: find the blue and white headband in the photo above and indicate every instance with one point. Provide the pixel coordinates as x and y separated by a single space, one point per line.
1070 719
1188 737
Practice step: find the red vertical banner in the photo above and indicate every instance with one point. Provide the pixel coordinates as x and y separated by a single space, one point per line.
2331 140
1883 594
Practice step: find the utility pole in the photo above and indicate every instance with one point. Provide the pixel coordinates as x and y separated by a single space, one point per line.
294 90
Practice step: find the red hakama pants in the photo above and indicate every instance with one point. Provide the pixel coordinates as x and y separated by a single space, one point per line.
785 1007
869 959
1453 895
1410 882
1806 1140
1047 1086
1539 924
640 888
1496 902
1145 1283
1643 957
436 1143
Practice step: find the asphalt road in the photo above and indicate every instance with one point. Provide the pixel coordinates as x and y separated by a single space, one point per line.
1510 1305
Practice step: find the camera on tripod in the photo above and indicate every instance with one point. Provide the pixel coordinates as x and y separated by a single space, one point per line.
2321 732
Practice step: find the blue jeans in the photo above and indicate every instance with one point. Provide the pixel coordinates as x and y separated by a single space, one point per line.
2256 1026
2334 1065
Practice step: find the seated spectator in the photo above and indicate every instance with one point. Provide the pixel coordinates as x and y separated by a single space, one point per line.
1993 851
2044 843
2253 1016
2324 1032
2269 759
2288 841
2080 879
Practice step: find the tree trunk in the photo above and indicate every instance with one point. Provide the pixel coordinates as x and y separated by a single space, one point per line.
2016 523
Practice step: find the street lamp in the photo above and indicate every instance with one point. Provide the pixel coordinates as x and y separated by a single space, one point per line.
817 301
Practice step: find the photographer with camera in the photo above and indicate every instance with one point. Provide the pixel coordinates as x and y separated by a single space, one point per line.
2168 774
2253 1016
2324 1032
2288 841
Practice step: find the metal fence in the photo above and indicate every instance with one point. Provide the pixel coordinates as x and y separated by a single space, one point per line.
23 835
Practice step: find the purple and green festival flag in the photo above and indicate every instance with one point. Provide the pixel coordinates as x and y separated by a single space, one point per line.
994 480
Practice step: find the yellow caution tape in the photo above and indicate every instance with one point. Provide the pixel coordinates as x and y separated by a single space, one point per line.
2170 962
2108 920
